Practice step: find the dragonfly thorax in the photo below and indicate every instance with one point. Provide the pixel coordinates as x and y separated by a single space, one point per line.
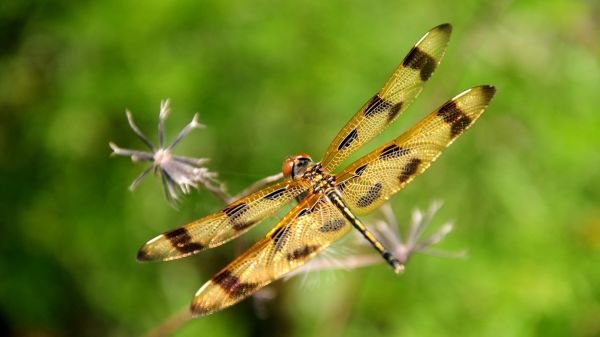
301 167
320 180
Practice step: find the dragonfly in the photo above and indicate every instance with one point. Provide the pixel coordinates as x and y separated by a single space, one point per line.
329 204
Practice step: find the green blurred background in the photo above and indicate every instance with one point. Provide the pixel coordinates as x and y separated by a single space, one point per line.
271 79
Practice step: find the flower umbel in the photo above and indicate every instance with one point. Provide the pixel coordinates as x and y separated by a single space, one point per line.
178 173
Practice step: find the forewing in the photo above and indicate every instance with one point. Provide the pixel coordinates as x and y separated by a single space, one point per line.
368 182
308 229
397 93
218 228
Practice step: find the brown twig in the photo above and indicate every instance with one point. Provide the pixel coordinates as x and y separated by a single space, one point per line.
171 325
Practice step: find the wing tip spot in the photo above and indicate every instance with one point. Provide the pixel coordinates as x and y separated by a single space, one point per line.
198 309
445 27
144 255
489 91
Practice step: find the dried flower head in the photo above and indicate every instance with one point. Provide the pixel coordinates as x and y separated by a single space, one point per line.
178 173
388 232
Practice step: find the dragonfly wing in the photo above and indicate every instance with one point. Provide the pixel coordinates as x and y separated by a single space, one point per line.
371 180
218 228
308 229
396 95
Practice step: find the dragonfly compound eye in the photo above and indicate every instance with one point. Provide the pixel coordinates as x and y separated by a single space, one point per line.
288 167
295 165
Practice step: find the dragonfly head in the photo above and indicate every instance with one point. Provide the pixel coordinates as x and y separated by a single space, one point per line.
296 165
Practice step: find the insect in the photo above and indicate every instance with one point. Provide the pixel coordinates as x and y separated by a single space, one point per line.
329 203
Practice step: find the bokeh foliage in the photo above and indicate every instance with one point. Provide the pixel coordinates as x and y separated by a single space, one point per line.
275 78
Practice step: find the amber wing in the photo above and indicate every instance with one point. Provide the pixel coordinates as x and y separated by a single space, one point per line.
308 229
397 93
368 182
218 228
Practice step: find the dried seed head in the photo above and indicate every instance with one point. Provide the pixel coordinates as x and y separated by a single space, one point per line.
387 230
178 173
